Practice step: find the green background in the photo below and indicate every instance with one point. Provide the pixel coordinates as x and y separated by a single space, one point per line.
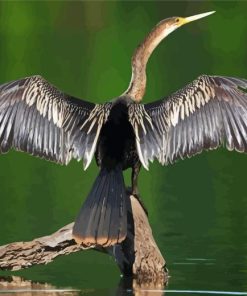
198 206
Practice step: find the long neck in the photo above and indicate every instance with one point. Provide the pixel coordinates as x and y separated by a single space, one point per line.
137 86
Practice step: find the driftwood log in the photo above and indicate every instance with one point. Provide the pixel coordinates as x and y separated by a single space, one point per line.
138 255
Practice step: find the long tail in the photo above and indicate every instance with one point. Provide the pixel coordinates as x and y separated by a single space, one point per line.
102 219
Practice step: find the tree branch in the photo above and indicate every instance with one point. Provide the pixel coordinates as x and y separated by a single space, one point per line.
137 255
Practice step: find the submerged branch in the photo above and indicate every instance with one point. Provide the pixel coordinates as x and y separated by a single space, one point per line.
137 255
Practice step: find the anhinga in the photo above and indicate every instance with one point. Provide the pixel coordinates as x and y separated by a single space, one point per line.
37 118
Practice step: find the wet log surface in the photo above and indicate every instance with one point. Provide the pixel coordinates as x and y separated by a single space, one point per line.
138 255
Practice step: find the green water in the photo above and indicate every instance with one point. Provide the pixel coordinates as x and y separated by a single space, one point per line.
197 208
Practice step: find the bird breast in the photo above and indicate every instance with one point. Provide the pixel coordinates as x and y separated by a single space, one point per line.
116 144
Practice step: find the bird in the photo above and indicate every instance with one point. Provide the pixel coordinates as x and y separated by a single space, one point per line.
123 133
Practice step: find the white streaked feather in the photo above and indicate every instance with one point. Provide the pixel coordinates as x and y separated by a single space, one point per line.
92 125
143 126
182 112
30 98
89 154
198 101
60 117
174 115
55 112
186 108
139 151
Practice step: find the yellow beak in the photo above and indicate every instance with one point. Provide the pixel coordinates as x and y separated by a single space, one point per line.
195 17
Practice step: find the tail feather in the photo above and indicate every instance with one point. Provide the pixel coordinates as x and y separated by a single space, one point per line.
102 219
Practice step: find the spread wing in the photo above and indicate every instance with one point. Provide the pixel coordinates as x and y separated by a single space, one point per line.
209 112
35 117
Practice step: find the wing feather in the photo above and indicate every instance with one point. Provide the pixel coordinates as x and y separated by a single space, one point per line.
35 117
208 113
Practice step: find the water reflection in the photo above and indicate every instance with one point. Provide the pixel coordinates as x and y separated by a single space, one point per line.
14 285
18 286
131 286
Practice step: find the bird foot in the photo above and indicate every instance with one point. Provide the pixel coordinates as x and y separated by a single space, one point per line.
136 194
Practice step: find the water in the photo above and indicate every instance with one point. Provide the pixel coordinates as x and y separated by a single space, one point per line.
188 276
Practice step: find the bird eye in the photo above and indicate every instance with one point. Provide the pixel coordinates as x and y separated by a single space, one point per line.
177 20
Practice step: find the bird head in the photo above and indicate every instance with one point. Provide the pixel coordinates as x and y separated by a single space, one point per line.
171 24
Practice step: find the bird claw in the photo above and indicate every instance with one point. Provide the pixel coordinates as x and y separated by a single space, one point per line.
137 196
